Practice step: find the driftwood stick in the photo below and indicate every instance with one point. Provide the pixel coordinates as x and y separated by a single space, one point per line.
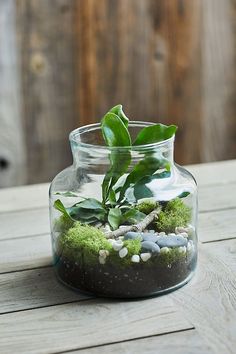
136 227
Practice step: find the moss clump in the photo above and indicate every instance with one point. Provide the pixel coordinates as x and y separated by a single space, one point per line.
147 206
62 224
133 247
176 213
172 256
82 243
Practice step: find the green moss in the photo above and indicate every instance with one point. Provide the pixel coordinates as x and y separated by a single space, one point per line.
133 247
172 256
147 206
62 224
83 242
176 213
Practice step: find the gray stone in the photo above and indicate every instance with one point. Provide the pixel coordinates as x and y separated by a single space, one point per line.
148 246
132 235
172 241
149 237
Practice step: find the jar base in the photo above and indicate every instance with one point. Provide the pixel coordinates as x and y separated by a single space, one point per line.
139 281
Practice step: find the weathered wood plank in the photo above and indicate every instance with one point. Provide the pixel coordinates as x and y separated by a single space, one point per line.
218 82
209 300
221 172
88 323
25 253
161 81
12 149
32 252
45 34
186 342
217 197
31 289
208 175
24 197
217 225
25 223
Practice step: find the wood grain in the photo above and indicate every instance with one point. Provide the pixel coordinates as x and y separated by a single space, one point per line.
12 148
25 253
47 56
218 83
33 289
24 223
186 342
216 226
146 55
210 299
24 197
88 323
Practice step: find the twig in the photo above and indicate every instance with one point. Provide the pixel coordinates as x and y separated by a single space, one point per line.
137 227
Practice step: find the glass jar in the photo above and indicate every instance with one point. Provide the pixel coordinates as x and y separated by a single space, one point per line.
151 251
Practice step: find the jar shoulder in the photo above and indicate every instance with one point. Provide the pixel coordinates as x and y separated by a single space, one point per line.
183 174
63 180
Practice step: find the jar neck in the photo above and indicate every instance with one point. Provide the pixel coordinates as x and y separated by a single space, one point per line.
87 145
89 156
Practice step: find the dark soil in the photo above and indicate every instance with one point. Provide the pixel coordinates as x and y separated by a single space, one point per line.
133 281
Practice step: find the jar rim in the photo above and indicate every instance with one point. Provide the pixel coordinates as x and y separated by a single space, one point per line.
76 133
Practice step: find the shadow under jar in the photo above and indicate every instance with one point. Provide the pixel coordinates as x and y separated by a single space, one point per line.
152 247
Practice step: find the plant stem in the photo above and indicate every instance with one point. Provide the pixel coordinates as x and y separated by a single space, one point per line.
136 227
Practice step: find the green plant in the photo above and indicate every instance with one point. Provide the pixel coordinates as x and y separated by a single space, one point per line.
115 208
174 214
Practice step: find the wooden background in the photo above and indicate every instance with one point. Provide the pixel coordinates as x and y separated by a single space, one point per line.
64 63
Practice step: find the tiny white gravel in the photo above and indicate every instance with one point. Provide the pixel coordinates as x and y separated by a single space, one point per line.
164 250
135 258
117 245
123 252
145 256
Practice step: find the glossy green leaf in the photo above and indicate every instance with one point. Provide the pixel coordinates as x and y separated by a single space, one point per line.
119 164
119 112
183 195
133 216
90 203
146 167
67 194
154 134
60 207
114 131
114 218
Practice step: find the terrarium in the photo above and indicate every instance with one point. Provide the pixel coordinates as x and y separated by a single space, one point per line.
123 216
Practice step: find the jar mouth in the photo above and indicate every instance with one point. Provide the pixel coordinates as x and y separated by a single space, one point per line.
83 132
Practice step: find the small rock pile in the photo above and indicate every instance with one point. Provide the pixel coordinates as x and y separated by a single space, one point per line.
152 244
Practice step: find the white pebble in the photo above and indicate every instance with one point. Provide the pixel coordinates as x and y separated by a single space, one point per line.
162 233
123 252
104 253
145 256
171 234
152 231
164 250
117 245
135 258
122 226
102 260
190 230
180 229
111 240
190 246
182 250
184 234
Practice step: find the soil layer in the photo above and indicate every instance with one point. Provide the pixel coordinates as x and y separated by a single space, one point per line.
133 281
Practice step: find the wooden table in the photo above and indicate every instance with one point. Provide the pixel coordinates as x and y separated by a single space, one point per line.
38 315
